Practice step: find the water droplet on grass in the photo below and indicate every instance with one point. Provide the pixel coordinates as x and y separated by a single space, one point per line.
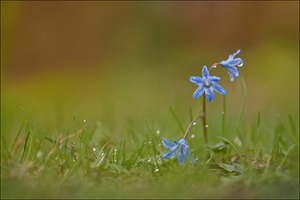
156 170
206 125
194 123
158 132
193 136
150 142
39 154
241 64
149 160
94 149
84 121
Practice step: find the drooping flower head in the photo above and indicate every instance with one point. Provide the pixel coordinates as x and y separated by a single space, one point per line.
231 64
206 84
177 147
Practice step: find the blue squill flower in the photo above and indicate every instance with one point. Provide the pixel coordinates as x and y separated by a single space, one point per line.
207 84
231 64
177 147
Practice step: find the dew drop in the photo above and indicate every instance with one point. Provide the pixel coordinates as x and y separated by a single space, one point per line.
149 160
241 64
156 170
193 136
102 154
39 154
84 121
94 149
56 158
158 132
206 125
194 123
150 142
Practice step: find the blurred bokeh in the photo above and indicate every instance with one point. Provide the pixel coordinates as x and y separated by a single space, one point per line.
113 60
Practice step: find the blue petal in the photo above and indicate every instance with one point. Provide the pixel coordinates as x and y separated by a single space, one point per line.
199 91
233 71
236 53
240 62
231 75
218 88
236 62
168 144
214 78
196 79
224 63
181 157
169 154
205 73
209 94
182 142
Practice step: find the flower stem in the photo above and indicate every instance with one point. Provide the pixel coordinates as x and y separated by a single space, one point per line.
191 124
204 119
213 66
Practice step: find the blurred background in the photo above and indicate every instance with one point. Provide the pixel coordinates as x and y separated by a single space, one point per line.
114 61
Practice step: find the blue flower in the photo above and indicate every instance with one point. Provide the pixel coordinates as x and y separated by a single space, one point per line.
231 64
177 147
207 84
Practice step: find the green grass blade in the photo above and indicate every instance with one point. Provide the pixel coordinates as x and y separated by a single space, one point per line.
124 152
155 156
257 129
293 127
233 146
119 151
50 140
177 120
242 109
286 155
25 145
5 147
18 134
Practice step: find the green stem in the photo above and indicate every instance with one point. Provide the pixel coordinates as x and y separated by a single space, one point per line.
204 119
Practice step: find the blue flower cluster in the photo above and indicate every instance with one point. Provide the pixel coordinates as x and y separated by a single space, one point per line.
208 84
177 147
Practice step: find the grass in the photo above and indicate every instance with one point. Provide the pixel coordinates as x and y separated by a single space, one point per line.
112 149
85 160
